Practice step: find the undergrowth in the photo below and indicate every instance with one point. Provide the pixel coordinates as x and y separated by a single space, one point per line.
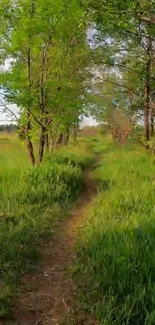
31 202
116 246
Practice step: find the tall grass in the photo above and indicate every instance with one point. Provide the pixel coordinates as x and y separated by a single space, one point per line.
31 202
116 247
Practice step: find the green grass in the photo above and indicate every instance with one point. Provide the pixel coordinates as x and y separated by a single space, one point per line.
31 202
116 247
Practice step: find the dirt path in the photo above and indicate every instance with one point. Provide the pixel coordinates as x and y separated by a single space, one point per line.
50 298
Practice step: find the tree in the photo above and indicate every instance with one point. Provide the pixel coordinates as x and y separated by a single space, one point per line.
45 43
111 105
126 33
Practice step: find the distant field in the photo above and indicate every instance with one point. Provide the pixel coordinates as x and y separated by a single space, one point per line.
12 150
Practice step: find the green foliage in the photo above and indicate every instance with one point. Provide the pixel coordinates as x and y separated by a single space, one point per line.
124 36
45 45
116 253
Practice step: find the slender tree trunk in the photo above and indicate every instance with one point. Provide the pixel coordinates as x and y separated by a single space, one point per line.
75 131
61 139
66 137
53 144
147 92
29 142
44 135
47 141
152 123
146 112
41 144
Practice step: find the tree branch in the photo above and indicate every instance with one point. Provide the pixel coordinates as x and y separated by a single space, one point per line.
5 107
119 85
137 34
118 65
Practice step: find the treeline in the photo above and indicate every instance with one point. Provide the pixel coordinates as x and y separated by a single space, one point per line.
8 127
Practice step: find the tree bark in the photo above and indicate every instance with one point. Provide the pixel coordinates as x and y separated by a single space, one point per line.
75 131
147 92
41 145
47 141
53 144
152 123
146 112
61 139
29 142
66 137
28 126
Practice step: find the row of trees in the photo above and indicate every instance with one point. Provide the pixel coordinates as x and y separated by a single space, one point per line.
44 44
67 57
8 127
125 57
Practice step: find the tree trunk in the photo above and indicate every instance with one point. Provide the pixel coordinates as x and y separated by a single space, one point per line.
152 123
66 137
146 112
30 150
28 128
29 142
147 92
47 142
60 139
75 131
53 144
41 144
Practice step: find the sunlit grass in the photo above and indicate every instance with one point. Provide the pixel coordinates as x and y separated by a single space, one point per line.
12 151
116 248
31 202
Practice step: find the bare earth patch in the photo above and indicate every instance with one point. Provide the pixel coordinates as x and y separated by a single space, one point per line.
49 298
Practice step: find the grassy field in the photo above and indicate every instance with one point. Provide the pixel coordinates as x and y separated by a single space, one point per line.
116 247
31 202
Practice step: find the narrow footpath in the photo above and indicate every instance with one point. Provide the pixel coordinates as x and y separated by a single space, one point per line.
50 298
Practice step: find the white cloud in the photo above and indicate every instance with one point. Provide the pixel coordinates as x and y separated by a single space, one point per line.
89 121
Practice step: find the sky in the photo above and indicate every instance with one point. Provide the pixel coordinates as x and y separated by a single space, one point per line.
89 121
6 118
